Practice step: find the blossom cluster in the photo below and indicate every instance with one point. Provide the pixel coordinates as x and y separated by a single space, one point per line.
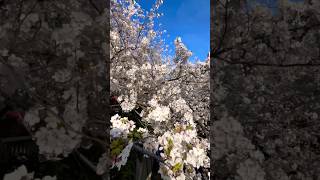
60 135
123 132
22 173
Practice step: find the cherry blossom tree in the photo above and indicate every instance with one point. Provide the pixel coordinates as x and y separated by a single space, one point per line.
170 97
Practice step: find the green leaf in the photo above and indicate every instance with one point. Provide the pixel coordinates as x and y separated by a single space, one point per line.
117 146
177 167
167 151
135 135
189 146
60 125
189 127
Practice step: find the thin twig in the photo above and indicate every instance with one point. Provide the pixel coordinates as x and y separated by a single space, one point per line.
143 151
14 139
86 161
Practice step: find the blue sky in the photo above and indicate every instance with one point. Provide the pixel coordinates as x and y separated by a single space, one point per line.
189 19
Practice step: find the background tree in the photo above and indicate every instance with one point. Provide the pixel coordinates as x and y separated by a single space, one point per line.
55 53
264 80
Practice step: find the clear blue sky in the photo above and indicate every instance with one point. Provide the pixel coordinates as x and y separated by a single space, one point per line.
189 19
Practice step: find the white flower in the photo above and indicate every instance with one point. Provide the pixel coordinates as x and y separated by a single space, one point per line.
32 116
129 102
120 98
144 132
16 62
181 177
54 142
20 172
182 53
121 126
153 102
62 75
160 113
196 157
145 41
52 122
